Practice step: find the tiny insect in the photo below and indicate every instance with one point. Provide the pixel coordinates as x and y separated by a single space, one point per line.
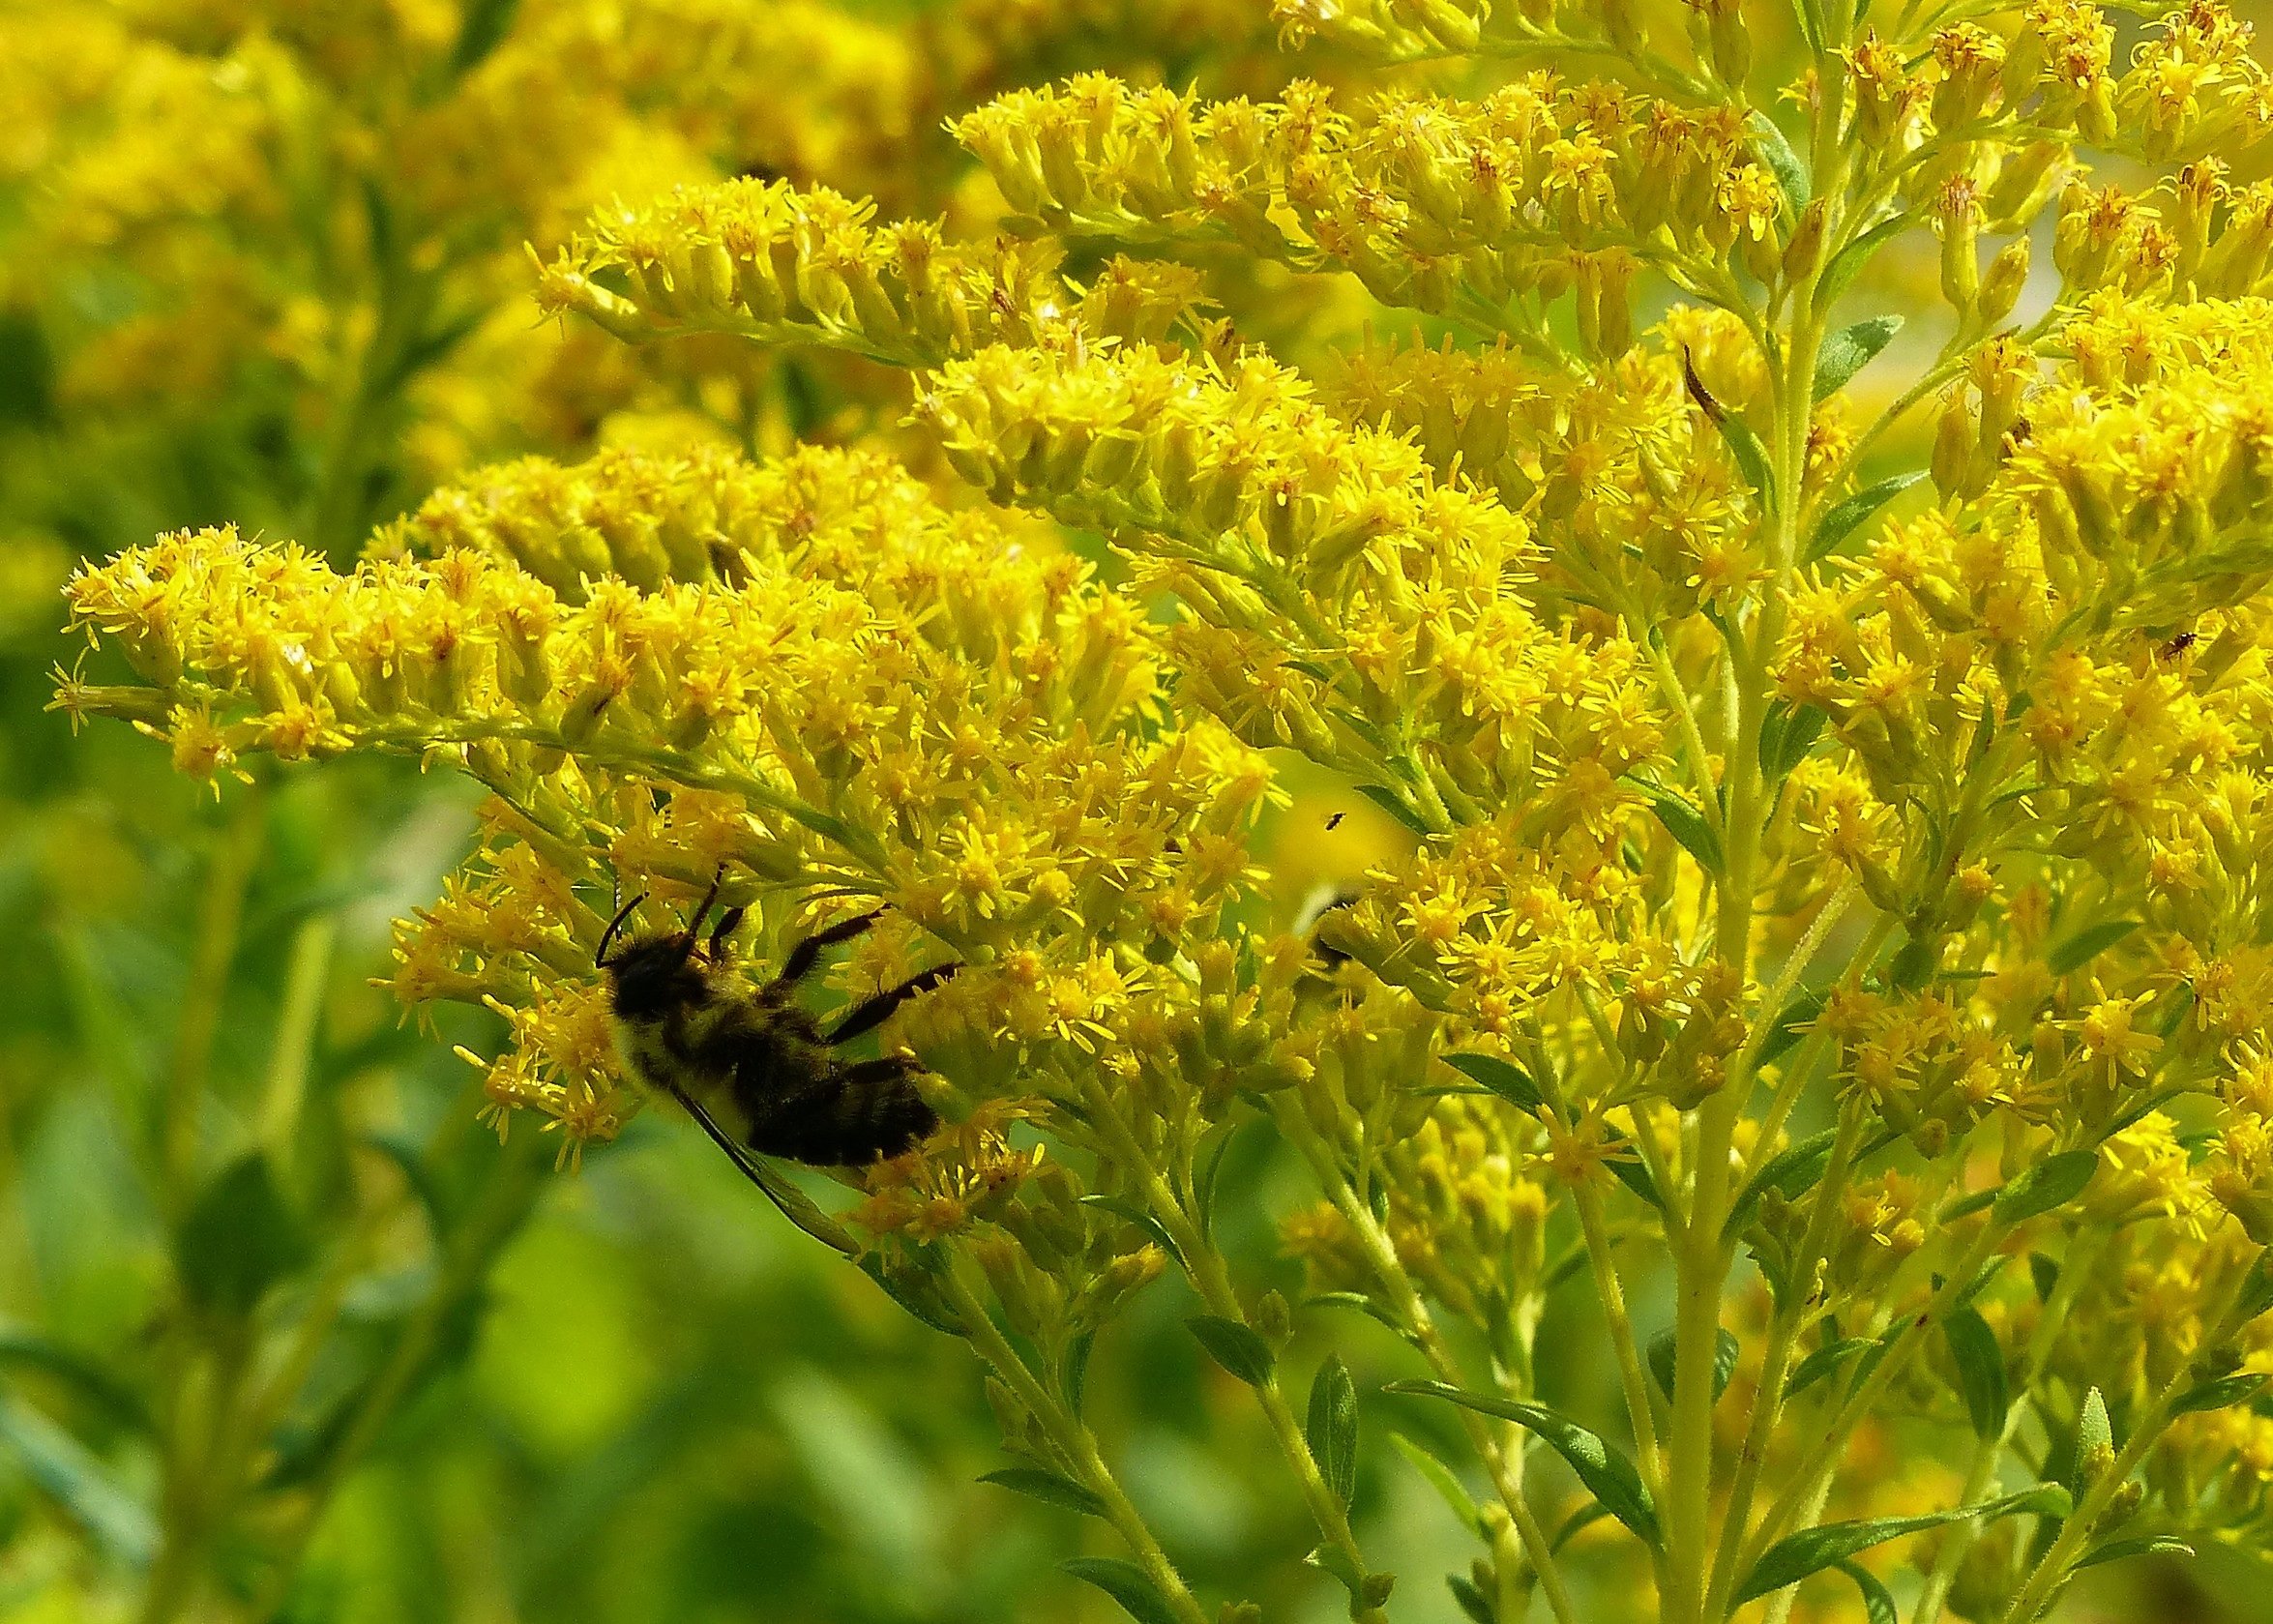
2175 647
752 1067
1334 822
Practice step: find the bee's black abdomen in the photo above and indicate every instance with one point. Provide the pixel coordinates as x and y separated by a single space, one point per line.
859 1114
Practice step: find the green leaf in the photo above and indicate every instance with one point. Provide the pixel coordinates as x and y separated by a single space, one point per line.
1826 1360
1047 1486
1843 518
1471 1600
912 1292
1792 1558
1787 732
1357 1300
1129 1212
32 1350
2044 1274
1662 1366
1634 1174
483 28
2092 1434
1585 1516
1981 1370
1203 1188
2145 1545
1333 1559
78 1482
1510 1082
1849 350
2084 946
1788 1031
1126 1584
2219 1394
2053 1182
1791 1172
1234 1347
1608 1474
1878 1600
1848 262
1774 151
1332 1428
1752 457
2257 1291
1393 803
1687 825
1441 1478
1072 1372
238 1239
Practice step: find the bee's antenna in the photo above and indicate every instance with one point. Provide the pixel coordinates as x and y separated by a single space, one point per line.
600 955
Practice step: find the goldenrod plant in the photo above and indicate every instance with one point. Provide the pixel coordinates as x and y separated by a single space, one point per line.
1753 516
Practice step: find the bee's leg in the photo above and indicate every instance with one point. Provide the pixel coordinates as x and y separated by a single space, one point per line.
728 923
808 952
867 1017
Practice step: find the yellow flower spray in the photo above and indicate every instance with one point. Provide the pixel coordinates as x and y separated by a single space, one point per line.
1828 927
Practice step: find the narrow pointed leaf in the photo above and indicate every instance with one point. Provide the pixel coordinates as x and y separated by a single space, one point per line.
1126 1584
1687 825
1878 1601
1791 175
1047 1486
2146 1545
2051 1183
1848 351
2220 1394
1608 1474
1510 1082
1826 1360
2084 946
1441 1478
1848 262
1792 1558
1843 518
1791 1172
1662 1366
1393 803
1234 1347
1981 1370
1127 1211
1332 1428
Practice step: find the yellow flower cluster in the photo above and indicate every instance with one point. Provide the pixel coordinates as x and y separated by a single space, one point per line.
768 260
1436 204
844 685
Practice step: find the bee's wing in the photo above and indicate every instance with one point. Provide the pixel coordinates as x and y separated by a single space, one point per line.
796 1206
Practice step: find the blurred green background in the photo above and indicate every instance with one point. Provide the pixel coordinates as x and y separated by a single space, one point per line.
284 1331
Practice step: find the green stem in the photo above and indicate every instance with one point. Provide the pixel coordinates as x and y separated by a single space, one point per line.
1076 1443
1808 1489
236 853
305 979
2146 1431
1204 1266
1604 1258
1504 1464
507 1192
1776 1367
1988 1454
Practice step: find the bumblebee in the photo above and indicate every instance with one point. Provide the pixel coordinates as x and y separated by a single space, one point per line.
754 1068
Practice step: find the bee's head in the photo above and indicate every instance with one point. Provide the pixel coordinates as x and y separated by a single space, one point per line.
651 975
